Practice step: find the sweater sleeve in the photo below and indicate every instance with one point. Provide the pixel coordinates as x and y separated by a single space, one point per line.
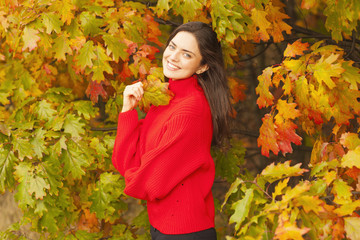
127 138
175 157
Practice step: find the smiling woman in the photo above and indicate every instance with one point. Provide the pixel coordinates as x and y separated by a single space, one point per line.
165 158
182 57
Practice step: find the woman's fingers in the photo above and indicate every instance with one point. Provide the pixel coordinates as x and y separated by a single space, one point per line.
132 95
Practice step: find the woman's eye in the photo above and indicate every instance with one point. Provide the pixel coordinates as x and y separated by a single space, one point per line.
187 55
171 47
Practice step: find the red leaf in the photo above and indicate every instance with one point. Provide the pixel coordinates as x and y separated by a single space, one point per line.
268 136
286 136
353 172
297 48
95 89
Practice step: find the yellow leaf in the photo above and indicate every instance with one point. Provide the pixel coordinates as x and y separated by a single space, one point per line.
296 48
341 191
287 230
296 192
280 187
260 23
351 158
330 177
286 111
350 140
347 208
265 97
352 226
30 38
324 70
309 203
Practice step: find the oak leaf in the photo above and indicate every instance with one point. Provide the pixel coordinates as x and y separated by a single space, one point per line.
30 38
296 48
352 226
267 137
156 93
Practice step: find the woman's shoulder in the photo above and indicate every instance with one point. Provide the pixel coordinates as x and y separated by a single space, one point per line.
195 104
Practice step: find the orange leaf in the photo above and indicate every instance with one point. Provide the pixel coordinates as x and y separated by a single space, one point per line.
353 172
265 98
94 90
268 136
286 136
237 89
297 48
338 229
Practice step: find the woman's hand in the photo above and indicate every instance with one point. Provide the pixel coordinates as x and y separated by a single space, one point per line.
132 95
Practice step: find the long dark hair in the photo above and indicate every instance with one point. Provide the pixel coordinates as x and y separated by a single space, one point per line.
213 81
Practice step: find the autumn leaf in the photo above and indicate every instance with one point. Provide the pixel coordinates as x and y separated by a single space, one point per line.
265 98
352 226
241 208
260 23
275 172
350 140
51 22
86 55
62 47
267 136
296 48
237 89
286 135
351 158
156 93
73 125
30 38
326 68
96 89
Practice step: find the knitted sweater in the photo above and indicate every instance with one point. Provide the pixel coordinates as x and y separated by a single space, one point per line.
166 160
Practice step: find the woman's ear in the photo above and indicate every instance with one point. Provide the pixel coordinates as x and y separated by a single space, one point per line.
202 69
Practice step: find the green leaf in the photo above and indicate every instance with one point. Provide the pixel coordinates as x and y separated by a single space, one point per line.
101 64
351 74
51 22
276 172
85 108
22 196
7 162
73 125
233 189
352 226
74 160
229 160
342 192
62 47
105 198
117 48
44 110
23 147
38 185
241 208
38 142
90 24
86 55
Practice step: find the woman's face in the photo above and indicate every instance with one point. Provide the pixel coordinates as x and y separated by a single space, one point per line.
182 57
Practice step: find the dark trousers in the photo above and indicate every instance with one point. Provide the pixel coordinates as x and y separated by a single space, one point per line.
208 234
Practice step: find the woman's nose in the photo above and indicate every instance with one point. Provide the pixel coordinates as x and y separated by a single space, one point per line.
174 56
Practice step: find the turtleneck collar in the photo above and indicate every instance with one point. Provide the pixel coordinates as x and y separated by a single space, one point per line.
183 87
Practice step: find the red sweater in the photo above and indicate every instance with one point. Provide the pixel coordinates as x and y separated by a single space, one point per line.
166 160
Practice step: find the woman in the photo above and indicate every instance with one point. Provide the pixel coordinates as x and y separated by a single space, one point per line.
165 158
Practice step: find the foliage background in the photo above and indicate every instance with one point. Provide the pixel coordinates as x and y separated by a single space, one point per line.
291 169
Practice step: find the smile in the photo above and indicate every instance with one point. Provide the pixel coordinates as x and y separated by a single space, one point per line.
171 66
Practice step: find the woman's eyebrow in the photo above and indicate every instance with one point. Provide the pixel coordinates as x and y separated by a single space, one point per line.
171 42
